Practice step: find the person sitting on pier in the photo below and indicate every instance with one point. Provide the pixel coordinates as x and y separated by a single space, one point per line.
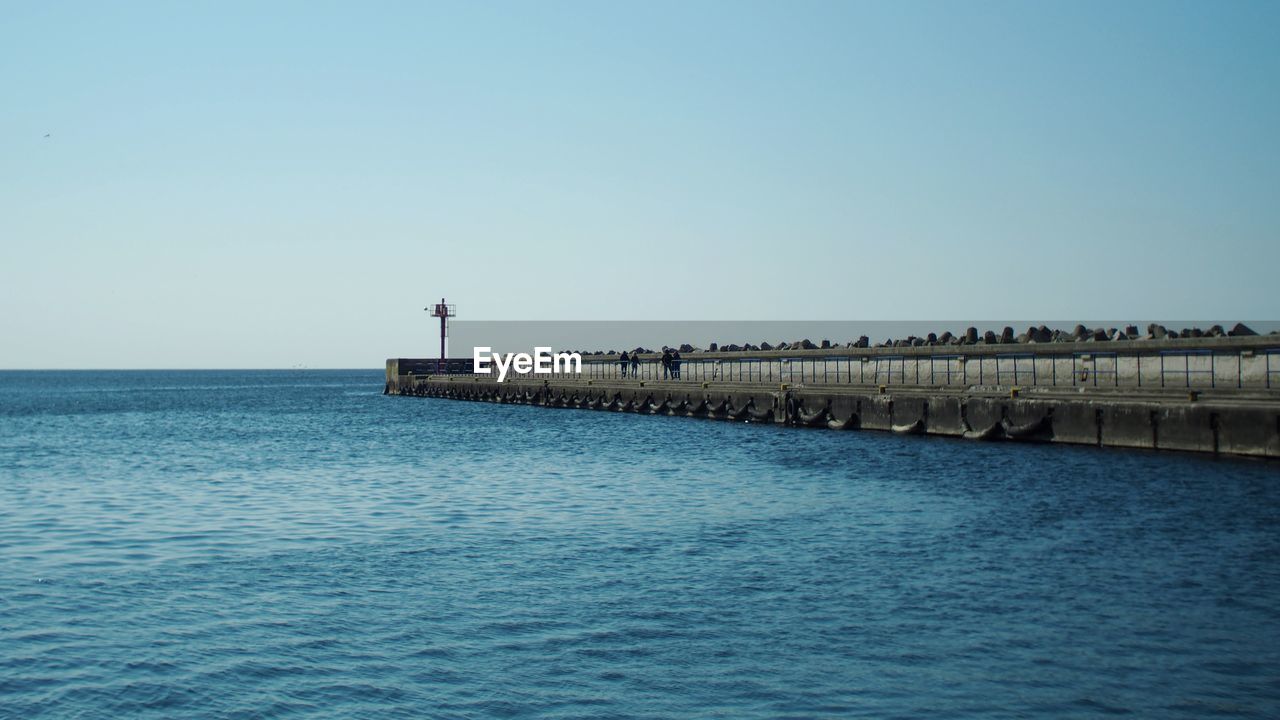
635 365
666 363
675 364
622 362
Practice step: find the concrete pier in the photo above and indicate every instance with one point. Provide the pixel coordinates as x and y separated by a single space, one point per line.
1231 406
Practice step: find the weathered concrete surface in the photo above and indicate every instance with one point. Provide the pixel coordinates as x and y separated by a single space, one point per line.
1228 421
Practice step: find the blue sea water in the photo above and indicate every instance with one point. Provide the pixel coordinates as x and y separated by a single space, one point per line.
294 544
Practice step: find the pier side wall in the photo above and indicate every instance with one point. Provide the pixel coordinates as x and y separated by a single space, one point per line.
1219 395
1154 421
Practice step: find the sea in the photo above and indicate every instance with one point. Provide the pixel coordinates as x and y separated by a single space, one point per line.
294 544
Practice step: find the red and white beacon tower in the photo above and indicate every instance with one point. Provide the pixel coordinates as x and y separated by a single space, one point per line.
444 311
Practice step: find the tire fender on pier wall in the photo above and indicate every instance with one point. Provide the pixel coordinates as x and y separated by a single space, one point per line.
812 417
843 413
1163 421
761 414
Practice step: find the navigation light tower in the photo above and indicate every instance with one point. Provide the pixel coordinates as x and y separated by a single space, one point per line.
444 311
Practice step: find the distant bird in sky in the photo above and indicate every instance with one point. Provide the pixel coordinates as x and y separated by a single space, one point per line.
46 134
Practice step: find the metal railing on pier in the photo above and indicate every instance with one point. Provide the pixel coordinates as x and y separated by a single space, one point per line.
1257 368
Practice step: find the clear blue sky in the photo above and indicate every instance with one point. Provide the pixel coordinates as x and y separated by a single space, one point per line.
273 184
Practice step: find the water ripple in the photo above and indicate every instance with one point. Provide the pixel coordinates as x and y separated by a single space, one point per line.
292 544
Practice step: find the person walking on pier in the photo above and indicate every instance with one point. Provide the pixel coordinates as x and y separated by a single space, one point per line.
622 363
675 364
635 364
666 363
